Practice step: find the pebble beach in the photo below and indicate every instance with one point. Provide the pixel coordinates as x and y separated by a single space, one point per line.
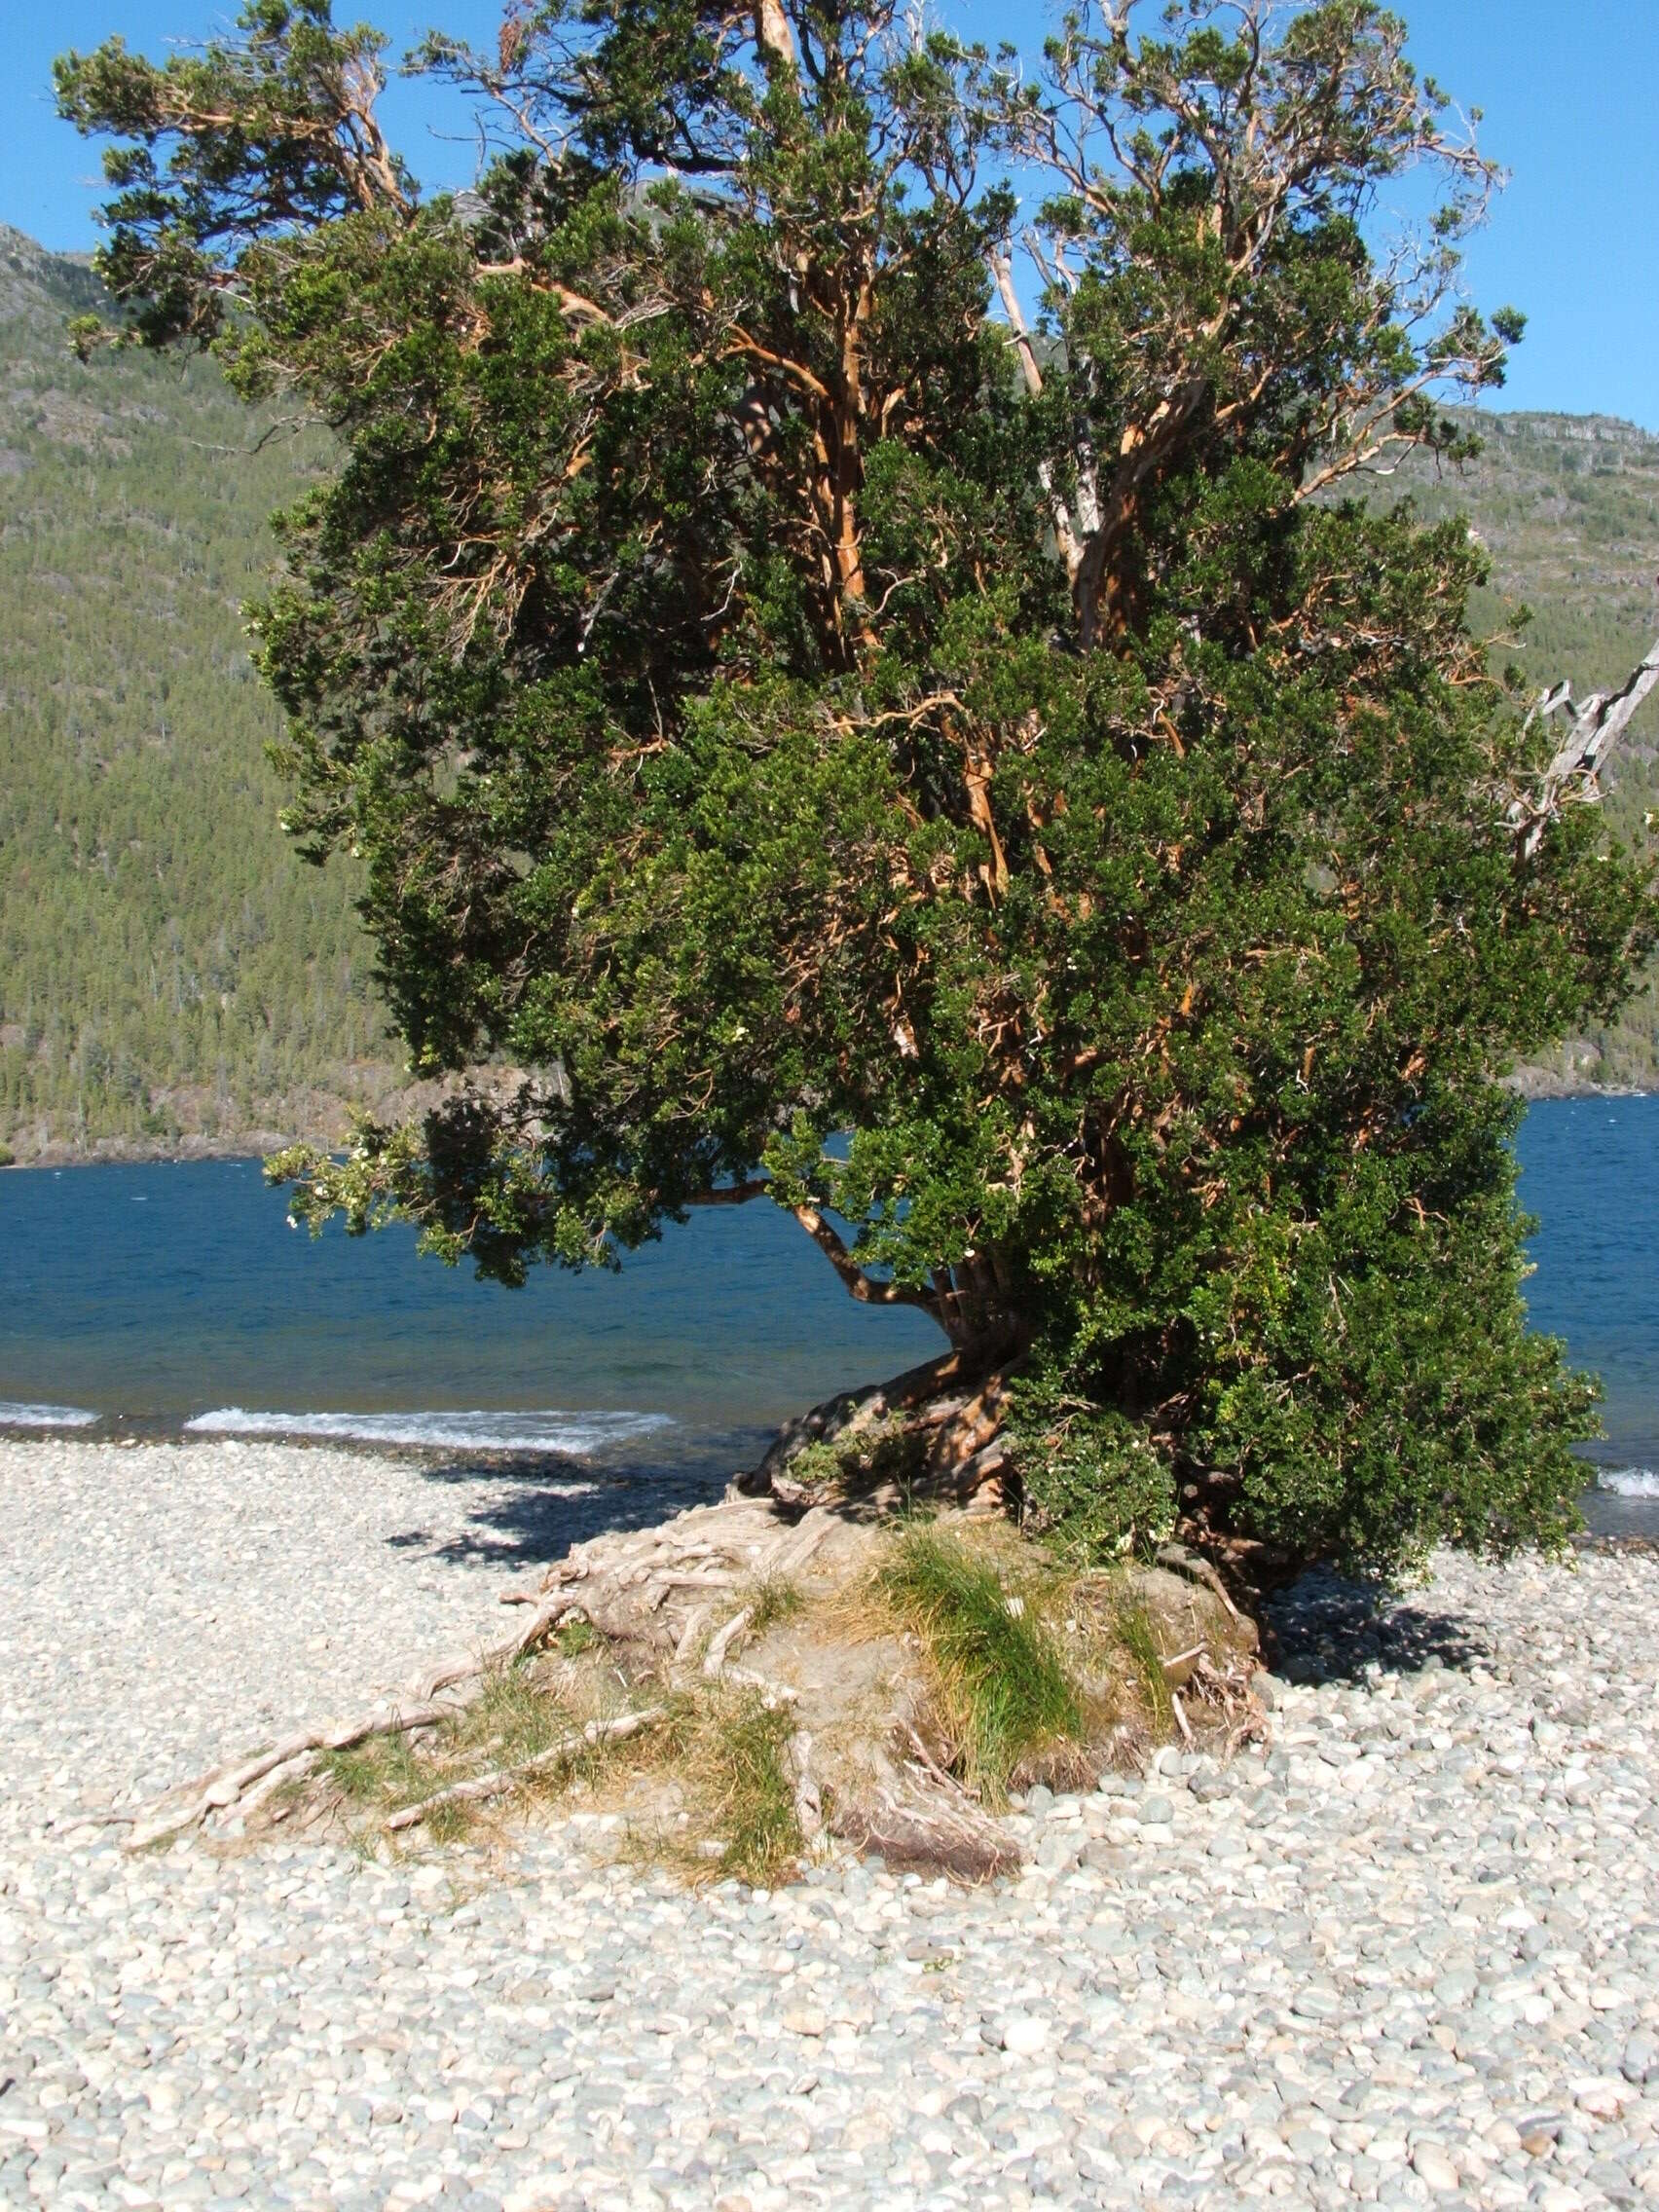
1406 1953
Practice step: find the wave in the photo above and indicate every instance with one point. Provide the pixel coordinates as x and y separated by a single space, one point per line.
1628 1482
16 1415
573 1434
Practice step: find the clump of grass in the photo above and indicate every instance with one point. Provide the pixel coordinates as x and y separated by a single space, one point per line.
511 1718
751 1797
1141 1644
574 1636
382 1772
729 1756
769 1601
448 1823
1003 1688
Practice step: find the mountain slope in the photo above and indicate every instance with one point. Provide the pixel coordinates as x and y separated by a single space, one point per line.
167 968
169 972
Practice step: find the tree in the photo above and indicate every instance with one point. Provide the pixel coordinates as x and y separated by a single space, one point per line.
987 788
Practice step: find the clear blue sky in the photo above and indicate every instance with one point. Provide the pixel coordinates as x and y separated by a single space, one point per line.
1568 92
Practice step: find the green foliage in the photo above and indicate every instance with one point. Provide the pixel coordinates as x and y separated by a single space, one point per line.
1094 1481
1002 1684
1567 509
1017 805
885 1451
1393 1326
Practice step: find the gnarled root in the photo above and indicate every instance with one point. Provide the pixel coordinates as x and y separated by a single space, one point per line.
931 1835
639 1592
228 1787
944 1421
480 1788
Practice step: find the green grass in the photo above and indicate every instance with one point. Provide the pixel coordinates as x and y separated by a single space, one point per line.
1135 1633
772 1600
1004 1688
510 1719
384 1772
752 1797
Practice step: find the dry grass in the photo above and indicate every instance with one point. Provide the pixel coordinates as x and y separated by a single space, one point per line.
725 1756
749 1793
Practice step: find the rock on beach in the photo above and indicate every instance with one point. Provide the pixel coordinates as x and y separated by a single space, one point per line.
1409 1955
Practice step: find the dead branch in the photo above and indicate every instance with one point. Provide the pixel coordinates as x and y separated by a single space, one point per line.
1596 726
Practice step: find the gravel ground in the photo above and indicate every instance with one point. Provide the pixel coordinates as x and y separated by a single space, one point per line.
1411 1955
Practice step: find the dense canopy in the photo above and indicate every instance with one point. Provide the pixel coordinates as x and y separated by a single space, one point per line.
842 638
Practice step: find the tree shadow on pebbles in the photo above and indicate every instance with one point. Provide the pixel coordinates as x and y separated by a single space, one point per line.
1324 1629
530 1511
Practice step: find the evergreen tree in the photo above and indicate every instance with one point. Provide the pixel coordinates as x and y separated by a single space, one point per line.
992 794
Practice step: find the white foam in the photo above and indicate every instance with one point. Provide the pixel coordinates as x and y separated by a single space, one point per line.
1628 1482
575 1433
14 1414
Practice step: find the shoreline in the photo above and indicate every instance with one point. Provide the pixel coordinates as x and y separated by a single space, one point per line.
1533 1087
681 1461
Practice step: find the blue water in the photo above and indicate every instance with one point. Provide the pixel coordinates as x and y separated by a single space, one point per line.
1590 1177
156 1296
160 1297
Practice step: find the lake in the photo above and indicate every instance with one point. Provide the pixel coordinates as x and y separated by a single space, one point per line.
152 1299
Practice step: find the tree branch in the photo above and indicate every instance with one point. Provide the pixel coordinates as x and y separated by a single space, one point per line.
733 1193
859 1285
1065 537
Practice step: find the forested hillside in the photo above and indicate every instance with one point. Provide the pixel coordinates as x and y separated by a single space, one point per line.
170 971
167 970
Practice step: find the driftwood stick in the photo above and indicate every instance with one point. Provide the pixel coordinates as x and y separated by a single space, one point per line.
807 1537
713 1659
689 1634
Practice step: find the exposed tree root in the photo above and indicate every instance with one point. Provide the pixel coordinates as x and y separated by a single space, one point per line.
680 1605
228 1788
947 1413
931 1835
478 1789
634 1590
